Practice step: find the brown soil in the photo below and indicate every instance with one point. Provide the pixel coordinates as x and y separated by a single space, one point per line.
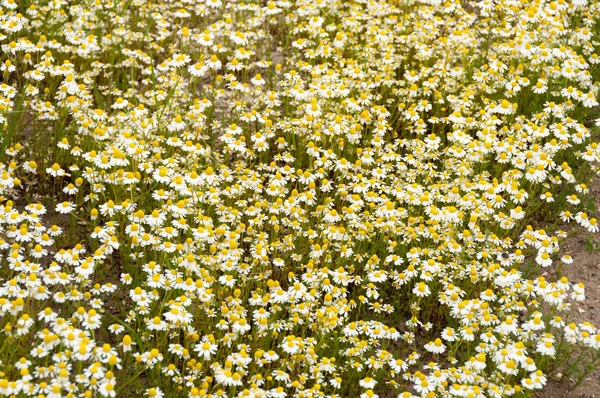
585 268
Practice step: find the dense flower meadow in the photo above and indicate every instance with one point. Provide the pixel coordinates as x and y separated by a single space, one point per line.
309 198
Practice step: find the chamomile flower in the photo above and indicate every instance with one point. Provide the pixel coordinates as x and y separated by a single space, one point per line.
65 207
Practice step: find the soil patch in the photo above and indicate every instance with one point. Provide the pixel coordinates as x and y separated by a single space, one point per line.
585 268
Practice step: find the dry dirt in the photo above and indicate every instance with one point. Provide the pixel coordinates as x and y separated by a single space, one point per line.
585 268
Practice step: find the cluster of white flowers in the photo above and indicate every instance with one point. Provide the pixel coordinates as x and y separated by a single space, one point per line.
309 198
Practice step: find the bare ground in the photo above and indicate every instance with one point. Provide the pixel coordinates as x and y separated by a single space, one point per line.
585 268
